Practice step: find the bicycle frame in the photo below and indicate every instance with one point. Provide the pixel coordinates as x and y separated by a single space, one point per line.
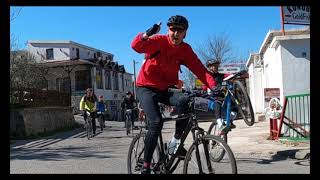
169 167
228 100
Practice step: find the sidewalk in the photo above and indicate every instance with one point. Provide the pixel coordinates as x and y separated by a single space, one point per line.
253 141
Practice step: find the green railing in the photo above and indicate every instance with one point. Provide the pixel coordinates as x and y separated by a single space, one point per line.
295 117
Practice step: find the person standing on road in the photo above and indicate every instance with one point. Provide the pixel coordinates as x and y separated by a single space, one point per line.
163 56
88 103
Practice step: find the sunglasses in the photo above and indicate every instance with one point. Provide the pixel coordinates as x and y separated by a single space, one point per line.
174 29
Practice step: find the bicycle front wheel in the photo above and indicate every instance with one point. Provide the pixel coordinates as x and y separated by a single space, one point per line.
136 154
128 125
243 102
217 152
89 129
204 164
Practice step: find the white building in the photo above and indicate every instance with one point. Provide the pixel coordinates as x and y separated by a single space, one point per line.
283 63
86 67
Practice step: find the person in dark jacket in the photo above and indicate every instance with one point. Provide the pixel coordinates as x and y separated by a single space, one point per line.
164 54
129 102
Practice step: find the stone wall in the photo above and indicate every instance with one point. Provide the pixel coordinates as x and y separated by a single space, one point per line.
31 121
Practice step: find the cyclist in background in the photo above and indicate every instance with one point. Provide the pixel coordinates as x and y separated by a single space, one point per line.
163 56
129 103
213 67
88 103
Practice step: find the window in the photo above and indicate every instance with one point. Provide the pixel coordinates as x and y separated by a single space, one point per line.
82 80
115 81
94 55
107 78
49 53
77 53
122 80
63 84
99 81
99 54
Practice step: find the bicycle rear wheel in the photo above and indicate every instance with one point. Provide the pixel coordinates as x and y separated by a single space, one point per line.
135 157
243 102
217 153
226 166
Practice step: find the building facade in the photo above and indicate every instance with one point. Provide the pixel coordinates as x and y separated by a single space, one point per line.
74 67
281 68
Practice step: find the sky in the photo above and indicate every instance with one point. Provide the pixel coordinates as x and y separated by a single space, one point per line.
112 29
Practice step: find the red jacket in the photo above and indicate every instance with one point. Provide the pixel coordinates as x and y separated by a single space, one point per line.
162 62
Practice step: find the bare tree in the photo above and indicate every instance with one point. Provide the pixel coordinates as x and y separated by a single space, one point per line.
14 13
218 47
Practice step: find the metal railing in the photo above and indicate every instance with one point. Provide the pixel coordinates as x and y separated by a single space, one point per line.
295 116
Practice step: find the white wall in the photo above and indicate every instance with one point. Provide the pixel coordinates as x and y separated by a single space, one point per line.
296 69
259 97
60 51
273 70
63 51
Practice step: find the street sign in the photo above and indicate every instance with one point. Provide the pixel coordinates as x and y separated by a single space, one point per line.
296 15
229 70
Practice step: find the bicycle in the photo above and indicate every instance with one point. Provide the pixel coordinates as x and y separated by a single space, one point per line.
234 94
88 124
197 159
128 121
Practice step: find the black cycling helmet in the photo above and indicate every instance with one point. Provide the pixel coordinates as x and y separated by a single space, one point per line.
128 92
212 62
180 20
89 89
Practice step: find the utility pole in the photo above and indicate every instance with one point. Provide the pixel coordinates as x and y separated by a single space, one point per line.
134 79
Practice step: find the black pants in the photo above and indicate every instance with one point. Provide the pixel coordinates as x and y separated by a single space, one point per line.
149 99
93 120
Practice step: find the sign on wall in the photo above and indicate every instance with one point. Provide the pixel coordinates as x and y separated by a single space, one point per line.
270 93
229 70
296 15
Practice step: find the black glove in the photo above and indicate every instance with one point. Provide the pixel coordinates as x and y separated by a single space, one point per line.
153 30
216 88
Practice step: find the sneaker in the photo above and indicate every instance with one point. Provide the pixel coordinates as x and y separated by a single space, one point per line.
145 171
224 129
232 126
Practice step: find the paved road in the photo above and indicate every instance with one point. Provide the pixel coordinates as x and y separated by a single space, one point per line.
71 152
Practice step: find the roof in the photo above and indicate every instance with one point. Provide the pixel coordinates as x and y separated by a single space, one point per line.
274 36
274 33
67 63
64 42
251 58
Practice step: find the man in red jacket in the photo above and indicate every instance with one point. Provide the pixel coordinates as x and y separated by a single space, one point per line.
163 56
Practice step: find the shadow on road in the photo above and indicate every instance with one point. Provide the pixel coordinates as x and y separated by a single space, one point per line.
279 156
58 154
